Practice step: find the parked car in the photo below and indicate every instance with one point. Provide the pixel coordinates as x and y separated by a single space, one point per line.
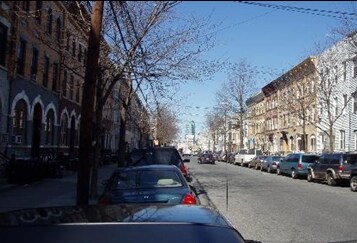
353 178
333 168
270 163
296 164
207 158
118 223
147 184
244 156
159 155
256 161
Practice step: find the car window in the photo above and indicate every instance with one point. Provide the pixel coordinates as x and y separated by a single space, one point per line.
309 158
124 180
163 156
350 158
335 159
150 179
324 159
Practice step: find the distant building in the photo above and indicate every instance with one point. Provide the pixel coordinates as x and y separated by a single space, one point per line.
190 130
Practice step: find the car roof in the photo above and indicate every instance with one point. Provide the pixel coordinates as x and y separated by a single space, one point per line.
118 223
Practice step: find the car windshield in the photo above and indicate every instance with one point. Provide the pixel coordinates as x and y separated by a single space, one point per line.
145 179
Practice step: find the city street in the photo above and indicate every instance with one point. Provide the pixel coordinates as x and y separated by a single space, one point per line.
273 208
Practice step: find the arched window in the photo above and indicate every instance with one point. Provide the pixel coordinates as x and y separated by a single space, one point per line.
49 128
19 123
64 131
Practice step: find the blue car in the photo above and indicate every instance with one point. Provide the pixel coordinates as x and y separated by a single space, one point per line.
296 164
147 184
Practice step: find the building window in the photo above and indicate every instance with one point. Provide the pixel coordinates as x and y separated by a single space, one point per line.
336 106
49 128
18 123
344 103
3 44
38 11
26 6
64 84
64 131
71 87
55 76
342 139
49 21
355 140
355 103
34 64
74 47
58 29
313 144
21 54
78 91
80 53
68 41
46 69
355 69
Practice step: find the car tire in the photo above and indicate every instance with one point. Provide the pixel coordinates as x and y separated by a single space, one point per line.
293 174
353 184
309 177
278 172
330 180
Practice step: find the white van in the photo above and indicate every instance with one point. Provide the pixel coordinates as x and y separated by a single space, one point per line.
244 156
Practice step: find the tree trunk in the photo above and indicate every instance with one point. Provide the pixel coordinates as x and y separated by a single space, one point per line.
122 142
87 112
331 142
98 149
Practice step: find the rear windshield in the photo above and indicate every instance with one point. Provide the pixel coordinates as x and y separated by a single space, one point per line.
277 158
350 158
146 179
155 156
309 158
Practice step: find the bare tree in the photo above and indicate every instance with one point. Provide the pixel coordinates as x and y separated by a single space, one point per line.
166 125
215 125
236 90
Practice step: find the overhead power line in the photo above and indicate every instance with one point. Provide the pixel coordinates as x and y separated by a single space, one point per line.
319 12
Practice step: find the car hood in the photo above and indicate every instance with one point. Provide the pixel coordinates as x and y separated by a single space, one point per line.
114 213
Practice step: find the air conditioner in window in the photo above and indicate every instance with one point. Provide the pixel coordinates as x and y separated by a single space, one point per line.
17 139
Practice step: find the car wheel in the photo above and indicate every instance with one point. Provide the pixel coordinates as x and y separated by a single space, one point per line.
309 177
278 172
330 180
269 170
353 184
293 174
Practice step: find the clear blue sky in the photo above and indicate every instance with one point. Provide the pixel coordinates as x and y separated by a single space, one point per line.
268 38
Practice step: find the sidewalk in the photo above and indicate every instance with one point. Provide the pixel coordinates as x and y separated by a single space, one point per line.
48 192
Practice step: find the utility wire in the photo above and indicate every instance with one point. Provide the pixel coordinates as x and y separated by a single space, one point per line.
319 12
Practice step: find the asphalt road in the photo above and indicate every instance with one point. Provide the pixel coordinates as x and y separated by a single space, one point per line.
272 208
